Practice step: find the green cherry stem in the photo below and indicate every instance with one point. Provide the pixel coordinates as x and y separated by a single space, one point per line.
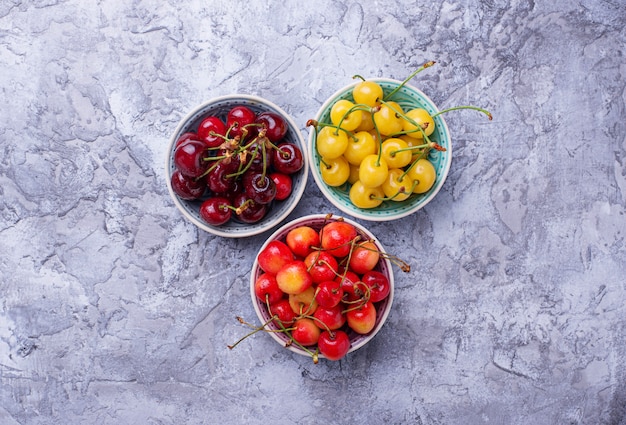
475 108
255 330
355 107
417 71
380 142
394 259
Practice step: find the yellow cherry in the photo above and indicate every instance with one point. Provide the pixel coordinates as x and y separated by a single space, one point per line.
397 187
395 153
373 171
342 115
368 93
423 172
331 142
387 118
422 118
359 147
366 197
335 172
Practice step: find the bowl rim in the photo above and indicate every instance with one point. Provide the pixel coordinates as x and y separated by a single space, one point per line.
333 217
364 214
297 194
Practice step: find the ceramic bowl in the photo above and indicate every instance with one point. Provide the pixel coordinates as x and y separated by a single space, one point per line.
279 210
408 97
317 221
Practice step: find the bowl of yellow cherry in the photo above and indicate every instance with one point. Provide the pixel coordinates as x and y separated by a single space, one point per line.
379 149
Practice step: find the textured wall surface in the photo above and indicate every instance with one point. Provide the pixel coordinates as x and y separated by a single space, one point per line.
116 310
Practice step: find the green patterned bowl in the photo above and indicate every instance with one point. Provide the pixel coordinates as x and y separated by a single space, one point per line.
407 97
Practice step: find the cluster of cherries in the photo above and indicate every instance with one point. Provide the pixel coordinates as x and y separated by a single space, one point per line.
321 287
375 148
236 167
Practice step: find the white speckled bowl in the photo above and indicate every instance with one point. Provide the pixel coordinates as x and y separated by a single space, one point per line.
280 209
408 97
317 221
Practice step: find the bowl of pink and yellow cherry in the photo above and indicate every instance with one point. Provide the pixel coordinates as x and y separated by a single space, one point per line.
236 166
322 286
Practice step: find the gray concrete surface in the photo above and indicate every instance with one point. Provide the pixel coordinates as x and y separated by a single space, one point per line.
115 310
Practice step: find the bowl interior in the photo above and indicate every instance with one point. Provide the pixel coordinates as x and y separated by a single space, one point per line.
317 221
407 97
279 209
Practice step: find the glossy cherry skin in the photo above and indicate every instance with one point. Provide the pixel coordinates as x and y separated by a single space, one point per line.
189 158
232 164
378 285
337 237
209 125
219 180
266 289
187 188
333 345
329 318
250 211
305 331
329 293
362 319
274 256
237 119
303 240
258 156
216 210
283 310
259 187
351 285
186 136
322 266
284 185
234 190
287 158
274 125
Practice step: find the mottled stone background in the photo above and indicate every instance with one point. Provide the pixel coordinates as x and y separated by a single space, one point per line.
115 310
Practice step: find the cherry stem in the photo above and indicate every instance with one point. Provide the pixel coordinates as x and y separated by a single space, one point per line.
394 259
380 142
475 108
336 127
356 107
362 300
422 155
417 71
431 145
255 330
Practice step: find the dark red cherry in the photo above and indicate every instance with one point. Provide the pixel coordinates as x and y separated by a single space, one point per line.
258 156
237 119
189 158
187 188
248 210
283 184
287 158
259 187
186 136
216 210
232 164
235 190
211 130
275 126
219 179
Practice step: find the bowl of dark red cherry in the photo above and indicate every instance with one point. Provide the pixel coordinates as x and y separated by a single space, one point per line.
236 166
